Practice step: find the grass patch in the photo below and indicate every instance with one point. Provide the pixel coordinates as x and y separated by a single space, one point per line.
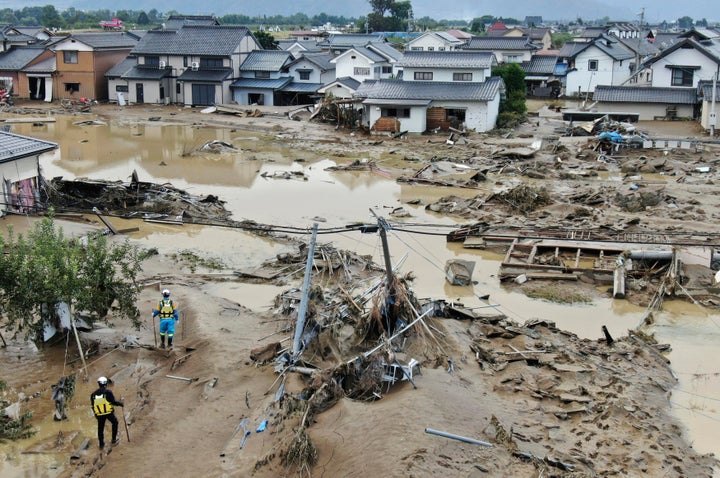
193 261
560 293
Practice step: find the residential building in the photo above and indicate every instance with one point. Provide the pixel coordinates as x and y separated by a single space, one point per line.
20 169
648 102
434 41
338 43
262 78
451 66
686 63
24 83
602 61
505 49
82 59
193 65
369 62
299 47
176 22
542 77
344 87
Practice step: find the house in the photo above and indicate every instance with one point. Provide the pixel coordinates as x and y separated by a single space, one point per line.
497 29
452 66
649 102
309 73
460 35
117 79
710 106
644 50
338 43
539 36
541 76
20 169
602 61
308 35
15 77
434 41
298 47
372 61
194 65
11 36
505 49
344 87
82 59
418 106
40 33
686 63
262 77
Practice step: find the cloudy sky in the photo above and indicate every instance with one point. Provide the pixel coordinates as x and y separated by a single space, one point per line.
626 10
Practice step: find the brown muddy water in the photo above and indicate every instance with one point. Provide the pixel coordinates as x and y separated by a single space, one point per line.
160 153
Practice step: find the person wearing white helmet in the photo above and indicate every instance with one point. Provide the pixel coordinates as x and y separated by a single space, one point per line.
103 404
168 312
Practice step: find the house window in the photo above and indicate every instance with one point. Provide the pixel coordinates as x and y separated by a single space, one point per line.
682 77
70 57
423 75
122 88
256 98
72 87
185 62
178 88
304 75
431 48
360 71
396 112
416 48
262 74
211 62
512 58
592 65
462 76
152 61
441 48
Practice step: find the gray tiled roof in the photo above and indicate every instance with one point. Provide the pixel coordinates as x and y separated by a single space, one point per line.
175 22
48 65
613 48
122 67
347 81
641 94
707 91
321 60
269 84
385 49
448 37
140 72
192 40
572 48
348 40
18 57
308 45
540 65
106 40
370 54
500 43
266 60
448 59
296 87
665 39
430 90
213 75
14 146
639 45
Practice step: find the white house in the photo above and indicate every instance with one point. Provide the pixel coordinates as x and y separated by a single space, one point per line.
417 106
340 87
505 49
686 63
262 75
434 41
373 61
452 66
20 170
602 61
648 102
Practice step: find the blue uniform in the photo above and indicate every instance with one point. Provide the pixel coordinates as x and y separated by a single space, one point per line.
167 310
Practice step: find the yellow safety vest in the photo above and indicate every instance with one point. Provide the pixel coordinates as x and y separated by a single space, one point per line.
167 309
101 406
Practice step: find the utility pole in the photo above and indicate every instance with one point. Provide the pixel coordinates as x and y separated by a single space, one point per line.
300 324
390 280
713 114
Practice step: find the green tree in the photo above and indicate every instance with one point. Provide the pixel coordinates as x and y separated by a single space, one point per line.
46 268
686 23
560 38
143 19
512 107
477 25
50 17
266 40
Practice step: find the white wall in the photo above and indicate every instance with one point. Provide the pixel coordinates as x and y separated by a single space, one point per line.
479 116
479 75
647 111
345 66
428 41
609 72
687 57
416 123
240 96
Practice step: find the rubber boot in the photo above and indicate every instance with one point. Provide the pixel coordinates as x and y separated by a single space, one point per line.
170 342
162 341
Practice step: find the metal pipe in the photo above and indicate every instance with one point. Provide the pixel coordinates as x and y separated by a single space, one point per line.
457 437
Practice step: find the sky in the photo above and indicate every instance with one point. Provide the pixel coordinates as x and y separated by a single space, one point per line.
618 10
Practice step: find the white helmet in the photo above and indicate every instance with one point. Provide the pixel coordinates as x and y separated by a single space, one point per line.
166 293
103 381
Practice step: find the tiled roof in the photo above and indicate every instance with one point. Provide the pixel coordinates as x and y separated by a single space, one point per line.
540 65
141 72
266 60
430 90
192 40
347 81
14 146
572 48
612 48
348 40
385 49
308 45
48 65
175 22
448 37
297 87
448 59
270 84
500 43
213 75
706 92
106 40
122 67
17 57
321 60
638 94
664 40
639 45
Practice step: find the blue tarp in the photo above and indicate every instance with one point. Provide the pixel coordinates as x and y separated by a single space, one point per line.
611 136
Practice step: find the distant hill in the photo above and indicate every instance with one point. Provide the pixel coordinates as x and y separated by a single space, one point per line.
448 9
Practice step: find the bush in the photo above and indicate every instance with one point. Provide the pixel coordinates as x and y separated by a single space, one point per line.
510 119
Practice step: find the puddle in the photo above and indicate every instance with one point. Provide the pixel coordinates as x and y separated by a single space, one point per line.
159 153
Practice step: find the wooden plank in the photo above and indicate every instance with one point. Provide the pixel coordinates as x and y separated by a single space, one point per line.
104 221
531 257
474 243
577 257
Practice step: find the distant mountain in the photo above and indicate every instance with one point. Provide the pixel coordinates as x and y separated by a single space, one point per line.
619 10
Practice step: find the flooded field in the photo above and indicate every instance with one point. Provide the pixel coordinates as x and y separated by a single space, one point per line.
165 153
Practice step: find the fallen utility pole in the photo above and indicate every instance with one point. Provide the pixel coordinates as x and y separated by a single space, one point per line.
457 437
390 289
300 324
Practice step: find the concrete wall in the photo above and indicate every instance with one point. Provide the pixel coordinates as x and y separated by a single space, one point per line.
345 66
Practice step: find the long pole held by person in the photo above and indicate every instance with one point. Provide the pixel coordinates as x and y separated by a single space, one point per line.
127 432
154 331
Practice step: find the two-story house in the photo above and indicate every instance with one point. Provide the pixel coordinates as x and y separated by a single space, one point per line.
309 73
434 41
371 61
263 75
439 90
601 61
338 43
193 65
505 49
18 75
82 59
299 47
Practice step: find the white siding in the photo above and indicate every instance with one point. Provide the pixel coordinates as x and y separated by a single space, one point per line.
345 66
429 42
647 111
687 57
479 74
609 72
416 123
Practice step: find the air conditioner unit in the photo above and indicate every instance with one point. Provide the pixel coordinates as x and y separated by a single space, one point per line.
162 65
194 65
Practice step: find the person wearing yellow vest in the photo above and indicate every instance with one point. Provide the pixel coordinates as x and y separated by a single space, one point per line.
103 404
167 310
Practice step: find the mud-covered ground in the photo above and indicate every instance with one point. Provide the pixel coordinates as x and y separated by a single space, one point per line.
549 403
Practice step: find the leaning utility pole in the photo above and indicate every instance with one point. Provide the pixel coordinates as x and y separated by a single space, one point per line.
390 284
300 324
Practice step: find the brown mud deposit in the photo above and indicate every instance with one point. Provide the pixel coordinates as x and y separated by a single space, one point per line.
549 402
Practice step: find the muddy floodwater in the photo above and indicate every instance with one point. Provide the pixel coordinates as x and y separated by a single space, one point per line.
167 153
